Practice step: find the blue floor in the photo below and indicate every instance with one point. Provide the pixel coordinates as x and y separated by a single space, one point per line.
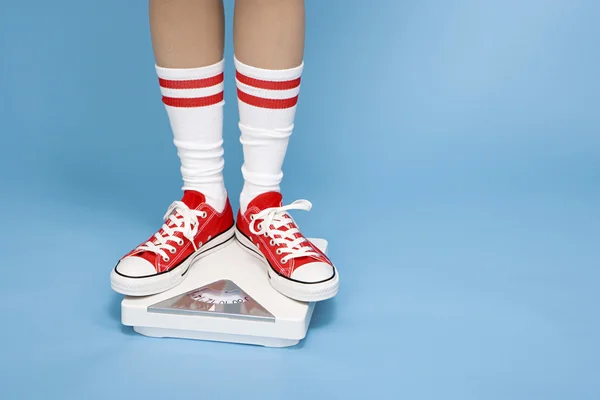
452 153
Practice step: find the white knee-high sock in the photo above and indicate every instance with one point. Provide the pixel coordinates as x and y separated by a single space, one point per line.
193 98
267 105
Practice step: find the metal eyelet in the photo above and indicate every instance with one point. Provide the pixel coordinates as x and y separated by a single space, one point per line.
259 226
283 261
172 251
166 259
251 217
180 242
272 242
278 251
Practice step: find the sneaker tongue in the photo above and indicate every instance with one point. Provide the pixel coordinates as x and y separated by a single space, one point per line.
266 200
193 199
274 199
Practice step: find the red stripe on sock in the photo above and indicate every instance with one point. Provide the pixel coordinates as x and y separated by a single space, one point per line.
267 103
269 85
193 101
191 83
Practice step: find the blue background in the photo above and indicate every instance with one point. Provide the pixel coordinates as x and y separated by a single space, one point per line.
451 149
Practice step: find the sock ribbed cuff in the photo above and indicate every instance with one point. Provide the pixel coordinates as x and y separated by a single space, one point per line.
192 87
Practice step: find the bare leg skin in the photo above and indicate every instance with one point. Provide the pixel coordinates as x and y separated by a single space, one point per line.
187 33
269 34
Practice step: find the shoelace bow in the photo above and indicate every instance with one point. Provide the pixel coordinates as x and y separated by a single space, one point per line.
275 218
179 218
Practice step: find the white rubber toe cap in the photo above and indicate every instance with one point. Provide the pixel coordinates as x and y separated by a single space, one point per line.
313 272
135 267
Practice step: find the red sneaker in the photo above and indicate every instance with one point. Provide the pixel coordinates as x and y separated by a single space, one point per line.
192 229
297 268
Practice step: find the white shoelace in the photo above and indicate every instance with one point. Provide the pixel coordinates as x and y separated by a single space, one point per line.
179 218
275 218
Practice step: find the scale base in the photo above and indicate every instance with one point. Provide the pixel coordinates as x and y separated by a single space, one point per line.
215 337
226 298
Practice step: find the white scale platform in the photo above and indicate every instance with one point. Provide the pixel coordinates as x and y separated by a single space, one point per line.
226 297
